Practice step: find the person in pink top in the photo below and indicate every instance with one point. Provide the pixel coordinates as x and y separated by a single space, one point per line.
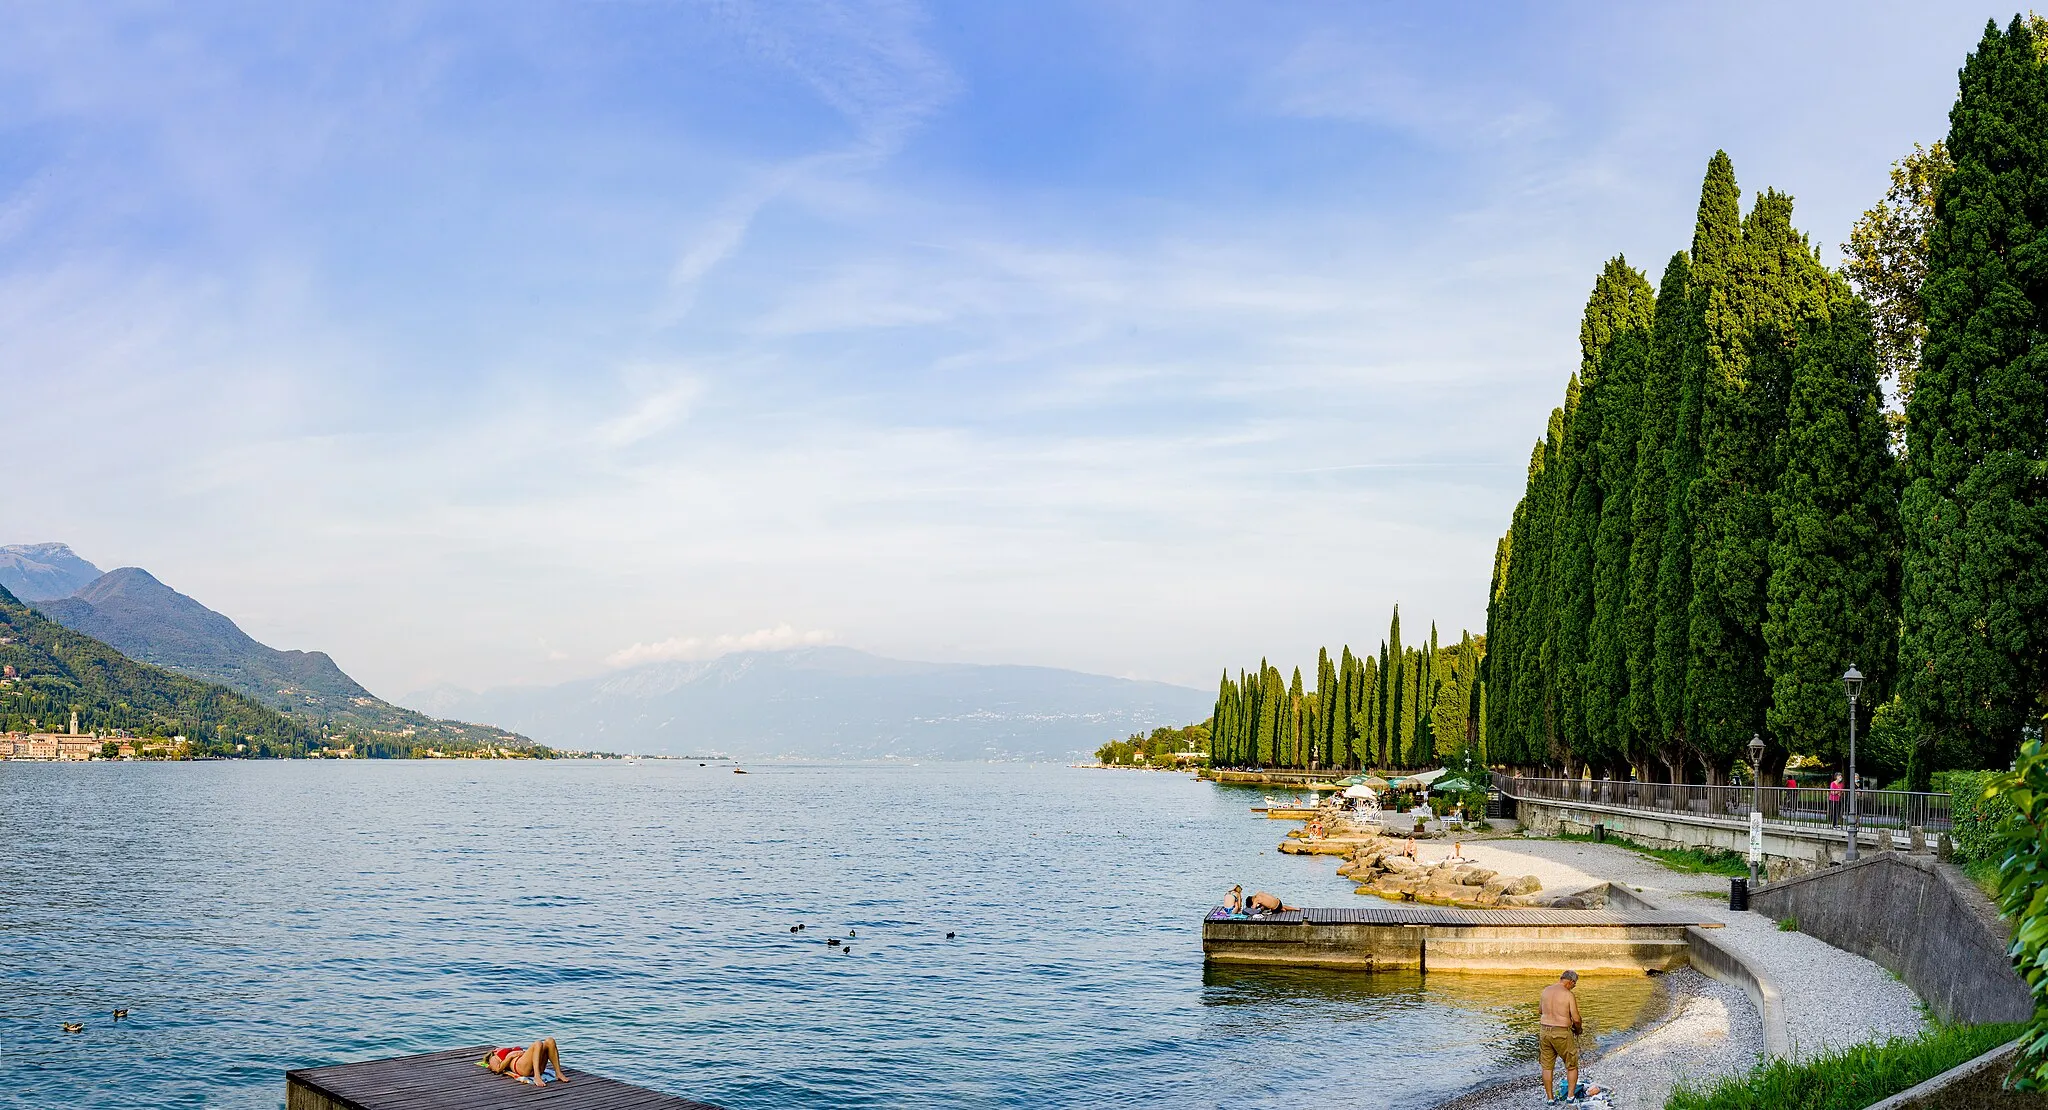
1835 800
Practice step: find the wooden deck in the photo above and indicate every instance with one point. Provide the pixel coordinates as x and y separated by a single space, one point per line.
451 1081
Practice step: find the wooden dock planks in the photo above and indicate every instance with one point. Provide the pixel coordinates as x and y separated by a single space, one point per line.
451 1081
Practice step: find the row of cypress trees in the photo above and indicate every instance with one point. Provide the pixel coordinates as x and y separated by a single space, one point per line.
1715 524
1402 707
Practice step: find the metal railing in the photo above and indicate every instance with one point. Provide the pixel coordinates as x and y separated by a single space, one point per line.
1810 806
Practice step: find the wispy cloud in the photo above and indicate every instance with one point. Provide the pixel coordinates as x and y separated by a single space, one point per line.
779 638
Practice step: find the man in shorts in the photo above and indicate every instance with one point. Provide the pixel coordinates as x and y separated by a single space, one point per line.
1558 1035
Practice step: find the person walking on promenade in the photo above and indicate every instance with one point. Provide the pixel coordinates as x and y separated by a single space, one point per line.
1835 801
1557 1037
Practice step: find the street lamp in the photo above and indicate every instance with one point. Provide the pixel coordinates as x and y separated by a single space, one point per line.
1756 787
1852 684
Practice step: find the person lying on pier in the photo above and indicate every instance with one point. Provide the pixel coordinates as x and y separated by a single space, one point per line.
528 1063
1263 902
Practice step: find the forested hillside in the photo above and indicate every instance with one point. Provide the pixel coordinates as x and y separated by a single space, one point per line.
131 611
1717 522
1401 707
58 671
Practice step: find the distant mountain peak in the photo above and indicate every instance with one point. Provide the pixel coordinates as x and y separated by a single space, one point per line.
43 571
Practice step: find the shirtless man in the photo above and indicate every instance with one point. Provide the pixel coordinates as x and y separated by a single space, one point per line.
1558 1036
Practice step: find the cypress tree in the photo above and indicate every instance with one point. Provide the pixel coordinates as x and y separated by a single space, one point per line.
1974 593
1293 754
1397 679
1271 697
1374 687
1776 285
1710 329
1340 710
1834 558
1496 614
1649 498
1592 543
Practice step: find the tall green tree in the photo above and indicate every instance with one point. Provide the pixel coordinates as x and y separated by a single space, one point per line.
1776 285
1974 596
1272 698
1712 327
1834 557
1650 498
1592 540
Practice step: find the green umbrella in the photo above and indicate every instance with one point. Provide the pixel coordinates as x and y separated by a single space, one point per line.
1450 786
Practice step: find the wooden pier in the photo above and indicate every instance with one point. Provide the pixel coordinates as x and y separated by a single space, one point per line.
1430 938
452 1081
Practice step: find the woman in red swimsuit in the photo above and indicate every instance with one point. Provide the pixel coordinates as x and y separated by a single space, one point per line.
526 1063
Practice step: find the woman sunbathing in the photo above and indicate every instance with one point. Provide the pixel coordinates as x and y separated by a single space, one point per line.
528 1063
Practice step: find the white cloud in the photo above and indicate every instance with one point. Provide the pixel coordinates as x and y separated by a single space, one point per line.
780 638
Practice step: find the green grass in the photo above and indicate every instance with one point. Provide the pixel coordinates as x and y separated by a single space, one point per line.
1788 925
1984 872
1692 861
1847 1080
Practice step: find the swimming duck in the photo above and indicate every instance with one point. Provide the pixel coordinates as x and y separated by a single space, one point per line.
949 936
831 942
850 934
120 1013
74 1027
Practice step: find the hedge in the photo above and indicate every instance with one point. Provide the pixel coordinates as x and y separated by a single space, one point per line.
1979 813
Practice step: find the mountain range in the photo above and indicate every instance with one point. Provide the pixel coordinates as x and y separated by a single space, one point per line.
129 610
820 702
833 702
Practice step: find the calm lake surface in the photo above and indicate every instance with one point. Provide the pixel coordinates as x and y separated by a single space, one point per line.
263 916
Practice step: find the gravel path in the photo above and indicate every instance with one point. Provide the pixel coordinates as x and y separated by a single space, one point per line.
1815 978
1714 1031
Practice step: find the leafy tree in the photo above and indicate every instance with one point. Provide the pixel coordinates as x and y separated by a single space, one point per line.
1886 260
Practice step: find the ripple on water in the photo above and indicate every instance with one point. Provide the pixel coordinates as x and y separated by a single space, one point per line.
263 916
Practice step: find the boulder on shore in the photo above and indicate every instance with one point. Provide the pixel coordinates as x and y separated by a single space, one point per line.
1458 883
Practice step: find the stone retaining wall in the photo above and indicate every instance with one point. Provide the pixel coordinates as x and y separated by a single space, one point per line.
1714 960
1922 919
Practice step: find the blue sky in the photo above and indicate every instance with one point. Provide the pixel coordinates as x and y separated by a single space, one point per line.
502 343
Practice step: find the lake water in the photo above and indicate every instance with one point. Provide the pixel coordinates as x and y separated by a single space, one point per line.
257 917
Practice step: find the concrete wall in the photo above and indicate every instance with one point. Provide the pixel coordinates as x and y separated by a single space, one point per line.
1630 949
1976 1085
1923 919
1711 958
1787 851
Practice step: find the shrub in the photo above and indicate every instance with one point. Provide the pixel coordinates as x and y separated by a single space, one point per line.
2023 897
1979 814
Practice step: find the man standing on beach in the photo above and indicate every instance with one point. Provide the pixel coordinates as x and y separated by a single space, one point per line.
1558 1035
